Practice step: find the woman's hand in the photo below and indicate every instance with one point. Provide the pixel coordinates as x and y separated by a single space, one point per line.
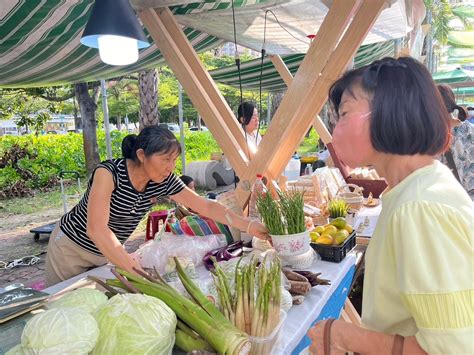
257 229
316 334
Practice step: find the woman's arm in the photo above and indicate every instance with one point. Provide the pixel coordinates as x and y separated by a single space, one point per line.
216 211
98 210
348 337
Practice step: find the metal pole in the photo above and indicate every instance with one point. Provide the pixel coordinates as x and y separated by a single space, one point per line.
269 104
105 109
429 42
181 127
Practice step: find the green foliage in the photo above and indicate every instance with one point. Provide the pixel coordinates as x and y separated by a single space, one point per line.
338 208
443 13
34 162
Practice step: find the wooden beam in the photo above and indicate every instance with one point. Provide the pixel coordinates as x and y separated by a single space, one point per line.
282 69
197 83
340 58
351 312
287 77
289 113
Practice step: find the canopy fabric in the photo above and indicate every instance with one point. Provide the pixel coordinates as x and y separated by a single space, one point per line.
454 76
291 21
39 45
39 39
271 79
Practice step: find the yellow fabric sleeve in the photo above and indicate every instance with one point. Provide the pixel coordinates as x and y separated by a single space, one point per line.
431 244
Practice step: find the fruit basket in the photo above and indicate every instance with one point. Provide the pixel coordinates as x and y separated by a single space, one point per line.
335 253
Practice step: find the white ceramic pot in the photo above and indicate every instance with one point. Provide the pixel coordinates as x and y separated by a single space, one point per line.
291 244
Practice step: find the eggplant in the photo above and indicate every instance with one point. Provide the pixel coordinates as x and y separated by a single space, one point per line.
233 250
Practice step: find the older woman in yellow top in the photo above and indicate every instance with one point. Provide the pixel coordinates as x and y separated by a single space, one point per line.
418 288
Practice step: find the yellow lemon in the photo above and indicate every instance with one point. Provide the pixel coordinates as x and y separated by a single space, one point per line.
339 222
330 230
325 239
349 228
340 237
319 229
314 236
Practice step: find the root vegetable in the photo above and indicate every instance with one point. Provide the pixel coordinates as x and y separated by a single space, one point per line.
300 288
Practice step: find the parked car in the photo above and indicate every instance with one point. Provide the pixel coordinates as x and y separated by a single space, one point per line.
173 127
196 129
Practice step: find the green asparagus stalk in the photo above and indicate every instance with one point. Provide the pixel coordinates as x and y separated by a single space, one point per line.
188 343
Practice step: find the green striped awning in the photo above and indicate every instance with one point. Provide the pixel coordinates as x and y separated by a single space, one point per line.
39 39
454 76
271 79
39 42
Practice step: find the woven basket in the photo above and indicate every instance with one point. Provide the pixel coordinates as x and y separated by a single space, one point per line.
354 198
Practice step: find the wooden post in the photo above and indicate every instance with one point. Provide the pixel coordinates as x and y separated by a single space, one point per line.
198 84
352 39
287 77
301 92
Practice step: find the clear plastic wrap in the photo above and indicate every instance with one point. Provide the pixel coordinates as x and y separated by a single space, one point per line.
158 253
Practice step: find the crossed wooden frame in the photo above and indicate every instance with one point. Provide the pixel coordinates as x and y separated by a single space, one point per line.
340 35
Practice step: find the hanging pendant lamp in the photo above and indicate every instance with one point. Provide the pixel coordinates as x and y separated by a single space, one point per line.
113 27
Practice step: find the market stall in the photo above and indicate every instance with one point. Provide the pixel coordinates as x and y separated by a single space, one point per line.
323 302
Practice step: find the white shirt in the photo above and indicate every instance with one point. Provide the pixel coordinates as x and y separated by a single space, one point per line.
253 140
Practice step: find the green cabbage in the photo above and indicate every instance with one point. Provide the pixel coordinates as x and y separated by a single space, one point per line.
60 331
86 299
135 324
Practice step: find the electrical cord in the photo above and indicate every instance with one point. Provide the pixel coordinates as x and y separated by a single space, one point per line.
237 63
279 24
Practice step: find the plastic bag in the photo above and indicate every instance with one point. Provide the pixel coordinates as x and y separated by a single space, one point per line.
157 253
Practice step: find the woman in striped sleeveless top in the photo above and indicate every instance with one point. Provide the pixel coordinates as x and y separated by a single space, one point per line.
119 194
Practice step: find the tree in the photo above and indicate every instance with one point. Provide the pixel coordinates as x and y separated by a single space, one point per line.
440 13
148 91
123 99
88 107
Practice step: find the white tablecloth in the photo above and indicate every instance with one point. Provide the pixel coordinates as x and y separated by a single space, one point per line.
298 319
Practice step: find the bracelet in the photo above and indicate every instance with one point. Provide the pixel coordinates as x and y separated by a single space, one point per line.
397 347
327 336
248 226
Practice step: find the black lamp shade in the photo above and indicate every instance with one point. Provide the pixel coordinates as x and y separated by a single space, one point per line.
115 18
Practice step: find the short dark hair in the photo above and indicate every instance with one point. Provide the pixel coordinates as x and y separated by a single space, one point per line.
450 101
245 112
152 139
186 179
408 115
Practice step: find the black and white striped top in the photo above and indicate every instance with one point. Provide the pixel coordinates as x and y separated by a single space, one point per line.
127 205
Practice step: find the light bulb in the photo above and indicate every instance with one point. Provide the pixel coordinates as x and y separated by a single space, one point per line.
117 50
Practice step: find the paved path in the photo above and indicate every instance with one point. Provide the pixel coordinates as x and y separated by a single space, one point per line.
33 275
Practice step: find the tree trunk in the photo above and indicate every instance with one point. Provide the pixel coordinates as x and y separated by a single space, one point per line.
77 119
276 100
119 123
148 90
88 107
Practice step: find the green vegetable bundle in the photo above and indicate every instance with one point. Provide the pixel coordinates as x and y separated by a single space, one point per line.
338 208
254 305
283 216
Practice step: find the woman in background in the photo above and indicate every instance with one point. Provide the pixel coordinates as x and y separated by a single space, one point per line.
460 156
248 118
